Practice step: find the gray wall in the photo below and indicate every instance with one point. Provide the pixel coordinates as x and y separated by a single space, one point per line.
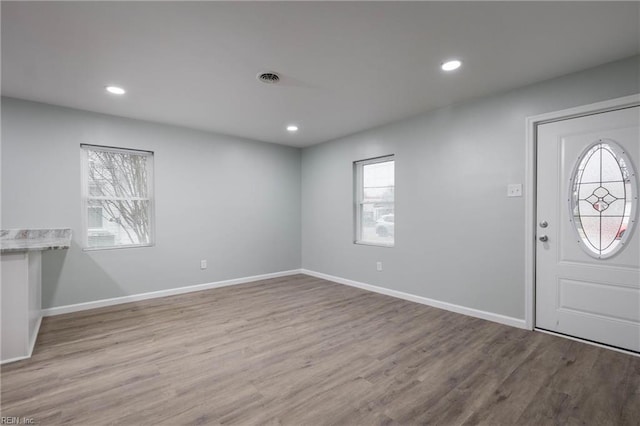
233 202
237 203
459 239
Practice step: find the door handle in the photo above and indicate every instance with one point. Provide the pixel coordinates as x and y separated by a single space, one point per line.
544 238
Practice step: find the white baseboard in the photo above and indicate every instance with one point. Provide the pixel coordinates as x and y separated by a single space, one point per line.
502 319
490 316
59 310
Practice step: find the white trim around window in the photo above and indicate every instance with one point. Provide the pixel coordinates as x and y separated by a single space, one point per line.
384 207
122 187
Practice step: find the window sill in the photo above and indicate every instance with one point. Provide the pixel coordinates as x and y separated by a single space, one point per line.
117 247
367 243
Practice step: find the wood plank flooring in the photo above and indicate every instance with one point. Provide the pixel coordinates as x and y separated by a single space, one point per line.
304 351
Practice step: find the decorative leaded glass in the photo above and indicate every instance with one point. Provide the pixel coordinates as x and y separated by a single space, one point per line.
603 199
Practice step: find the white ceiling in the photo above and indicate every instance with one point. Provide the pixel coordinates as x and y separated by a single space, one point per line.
346 66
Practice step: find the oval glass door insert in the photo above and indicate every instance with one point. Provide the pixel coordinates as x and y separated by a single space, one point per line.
603 199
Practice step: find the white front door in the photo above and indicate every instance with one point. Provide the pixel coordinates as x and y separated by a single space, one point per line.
588 252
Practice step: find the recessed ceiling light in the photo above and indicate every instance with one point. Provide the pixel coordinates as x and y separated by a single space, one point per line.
292 128
115 90
451 65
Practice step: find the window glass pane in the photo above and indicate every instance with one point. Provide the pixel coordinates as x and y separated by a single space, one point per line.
590 231
378 182
378 223
95 217
602 199
615 206
123 223
118 199
375 205
117 174
610 168
591 167
609 229
586 189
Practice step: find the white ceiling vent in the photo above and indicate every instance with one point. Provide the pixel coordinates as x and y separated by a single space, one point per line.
268 77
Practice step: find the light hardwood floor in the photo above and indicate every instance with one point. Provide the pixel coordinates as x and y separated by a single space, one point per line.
304 351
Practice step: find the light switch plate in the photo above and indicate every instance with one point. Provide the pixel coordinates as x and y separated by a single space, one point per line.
514 190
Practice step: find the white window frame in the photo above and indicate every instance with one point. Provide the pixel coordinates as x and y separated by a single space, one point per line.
359 195
88 215
84 149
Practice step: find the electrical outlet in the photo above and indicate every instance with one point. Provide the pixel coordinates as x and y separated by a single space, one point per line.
379 266
203 264
514 190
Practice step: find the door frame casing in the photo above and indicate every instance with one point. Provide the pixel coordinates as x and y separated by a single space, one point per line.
530 185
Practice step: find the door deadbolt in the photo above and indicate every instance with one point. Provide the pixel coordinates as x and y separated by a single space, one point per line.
543 224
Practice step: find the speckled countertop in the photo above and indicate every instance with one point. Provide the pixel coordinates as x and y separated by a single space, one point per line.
15 240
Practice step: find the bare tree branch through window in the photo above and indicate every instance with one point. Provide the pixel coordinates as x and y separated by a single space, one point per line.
118 191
